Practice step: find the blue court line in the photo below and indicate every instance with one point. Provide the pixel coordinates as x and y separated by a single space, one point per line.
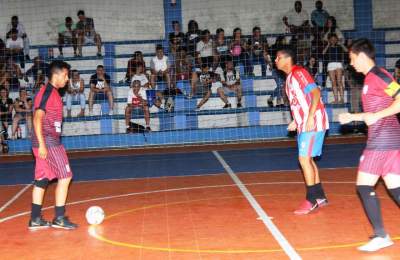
186 164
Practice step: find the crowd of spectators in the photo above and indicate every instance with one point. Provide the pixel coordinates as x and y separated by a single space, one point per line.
208 61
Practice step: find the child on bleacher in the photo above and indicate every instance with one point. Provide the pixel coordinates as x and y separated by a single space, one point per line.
207 78
137 99
230 83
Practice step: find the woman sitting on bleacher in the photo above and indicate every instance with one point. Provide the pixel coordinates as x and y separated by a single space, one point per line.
23 110
75 91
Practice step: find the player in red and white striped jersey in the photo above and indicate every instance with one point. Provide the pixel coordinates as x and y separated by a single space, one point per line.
381 157
311 123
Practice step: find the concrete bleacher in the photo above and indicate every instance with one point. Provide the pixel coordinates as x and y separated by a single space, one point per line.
255 111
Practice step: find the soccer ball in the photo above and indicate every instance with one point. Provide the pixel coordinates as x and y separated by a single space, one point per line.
95 215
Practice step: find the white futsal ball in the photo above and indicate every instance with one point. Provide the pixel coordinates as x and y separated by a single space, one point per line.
95 215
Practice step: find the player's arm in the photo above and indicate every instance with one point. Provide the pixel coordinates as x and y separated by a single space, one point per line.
38 128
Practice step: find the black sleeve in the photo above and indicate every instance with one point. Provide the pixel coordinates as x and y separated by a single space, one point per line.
45 98
108 79
93 79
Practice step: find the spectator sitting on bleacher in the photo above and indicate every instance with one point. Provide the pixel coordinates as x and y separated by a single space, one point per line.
6 108
23 110
159 68
230 79
139 75
100 88
238 49
87 33
67 35
204 49
312 68
14 74
4 76
177 35
221 49
206 78
75 91
183 66
15 47
192 38
131 67
258 46
39 71
319 16
334 54
331 27
296 20
278 75
15 24
137 99
396 74
3 52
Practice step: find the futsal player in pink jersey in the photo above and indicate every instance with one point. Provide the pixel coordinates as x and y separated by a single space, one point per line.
50 156
381 157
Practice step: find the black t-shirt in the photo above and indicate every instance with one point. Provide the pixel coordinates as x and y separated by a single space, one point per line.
180 38
99 83
258 44
335 54
206 78
192 38
5 106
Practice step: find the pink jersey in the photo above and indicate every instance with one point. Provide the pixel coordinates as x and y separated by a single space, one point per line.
299 84
379 91
48 100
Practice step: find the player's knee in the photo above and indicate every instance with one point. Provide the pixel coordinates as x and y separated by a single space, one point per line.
43 183
305 160
366 191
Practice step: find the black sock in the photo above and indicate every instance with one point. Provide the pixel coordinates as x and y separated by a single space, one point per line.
372 208
60 211
36 211
395 195
320 191
312 194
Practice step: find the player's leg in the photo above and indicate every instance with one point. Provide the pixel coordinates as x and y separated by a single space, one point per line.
392 179
371 204
58 161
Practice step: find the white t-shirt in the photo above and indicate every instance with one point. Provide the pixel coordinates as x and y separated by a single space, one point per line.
297 19
18 43
134 100
142 78
75 85
205 49
231 77
158 64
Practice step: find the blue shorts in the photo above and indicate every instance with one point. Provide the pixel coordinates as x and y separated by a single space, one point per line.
310 143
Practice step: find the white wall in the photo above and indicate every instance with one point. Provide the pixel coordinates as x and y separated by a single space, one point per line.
267 14
114 19
386 13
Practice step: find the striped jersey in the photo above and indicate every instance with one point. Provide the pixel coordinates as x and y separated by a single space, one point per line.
49 100
379 91
299 84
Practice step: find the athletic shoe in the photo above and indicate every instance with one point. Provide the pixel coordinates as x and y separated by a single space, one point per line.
227 105
305 208
38 223
322 202
376 243
239 105
63 222
111 112
148 129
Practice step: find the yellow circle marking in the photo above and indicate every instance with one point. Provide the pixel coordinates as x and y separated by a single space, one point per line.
92 231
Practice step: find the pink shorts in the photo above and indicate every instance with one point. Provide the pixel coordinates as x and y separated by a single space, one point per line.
55 166
380 162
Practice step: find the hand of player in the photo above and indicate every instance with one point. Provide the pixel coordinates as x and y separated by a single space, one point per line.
42 152
345 118
370 118
310 124
292 126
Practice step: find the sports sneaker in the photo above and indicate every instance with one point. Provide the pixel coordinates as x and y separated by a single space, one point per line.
63 222
38 223
227 105
305 208
322 202
148 129
376 243
111 112
239 105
